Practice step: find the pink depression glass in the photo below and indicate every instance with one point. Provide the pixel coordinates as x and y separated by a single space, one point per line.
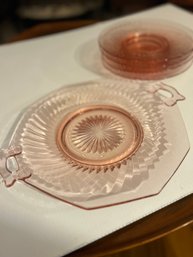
146 49
98 143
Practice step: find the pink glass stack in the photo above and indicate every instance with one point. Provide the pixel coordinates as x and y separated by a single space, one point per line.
146 49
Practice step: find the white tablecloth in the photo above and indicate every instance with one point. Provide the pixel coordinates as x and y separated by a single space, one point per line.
32 223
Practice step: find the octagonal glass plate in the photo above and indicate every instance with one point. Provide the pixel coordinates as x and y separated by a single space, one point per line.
99 143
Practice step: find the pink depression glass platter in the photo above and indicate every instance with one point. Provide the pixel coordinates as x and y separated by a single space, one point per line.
147 49
98 143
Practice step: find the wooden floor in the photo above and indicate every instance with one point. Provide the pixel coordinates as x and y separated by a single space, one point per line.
176 244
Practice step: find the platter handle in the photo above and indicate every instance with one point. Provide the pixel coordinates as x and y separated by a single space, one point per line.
164 90
9 167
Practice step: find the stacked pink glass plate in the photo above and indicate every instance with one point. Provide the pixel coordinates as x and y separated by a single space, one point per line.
146 49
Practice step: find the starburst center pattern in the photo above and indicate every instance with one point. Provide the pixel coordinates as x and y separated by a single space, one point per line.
99 137
98 134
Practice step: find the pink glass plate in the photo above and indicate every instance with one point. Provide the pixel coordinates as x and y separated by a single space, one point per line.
154 70
99 143
146 49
